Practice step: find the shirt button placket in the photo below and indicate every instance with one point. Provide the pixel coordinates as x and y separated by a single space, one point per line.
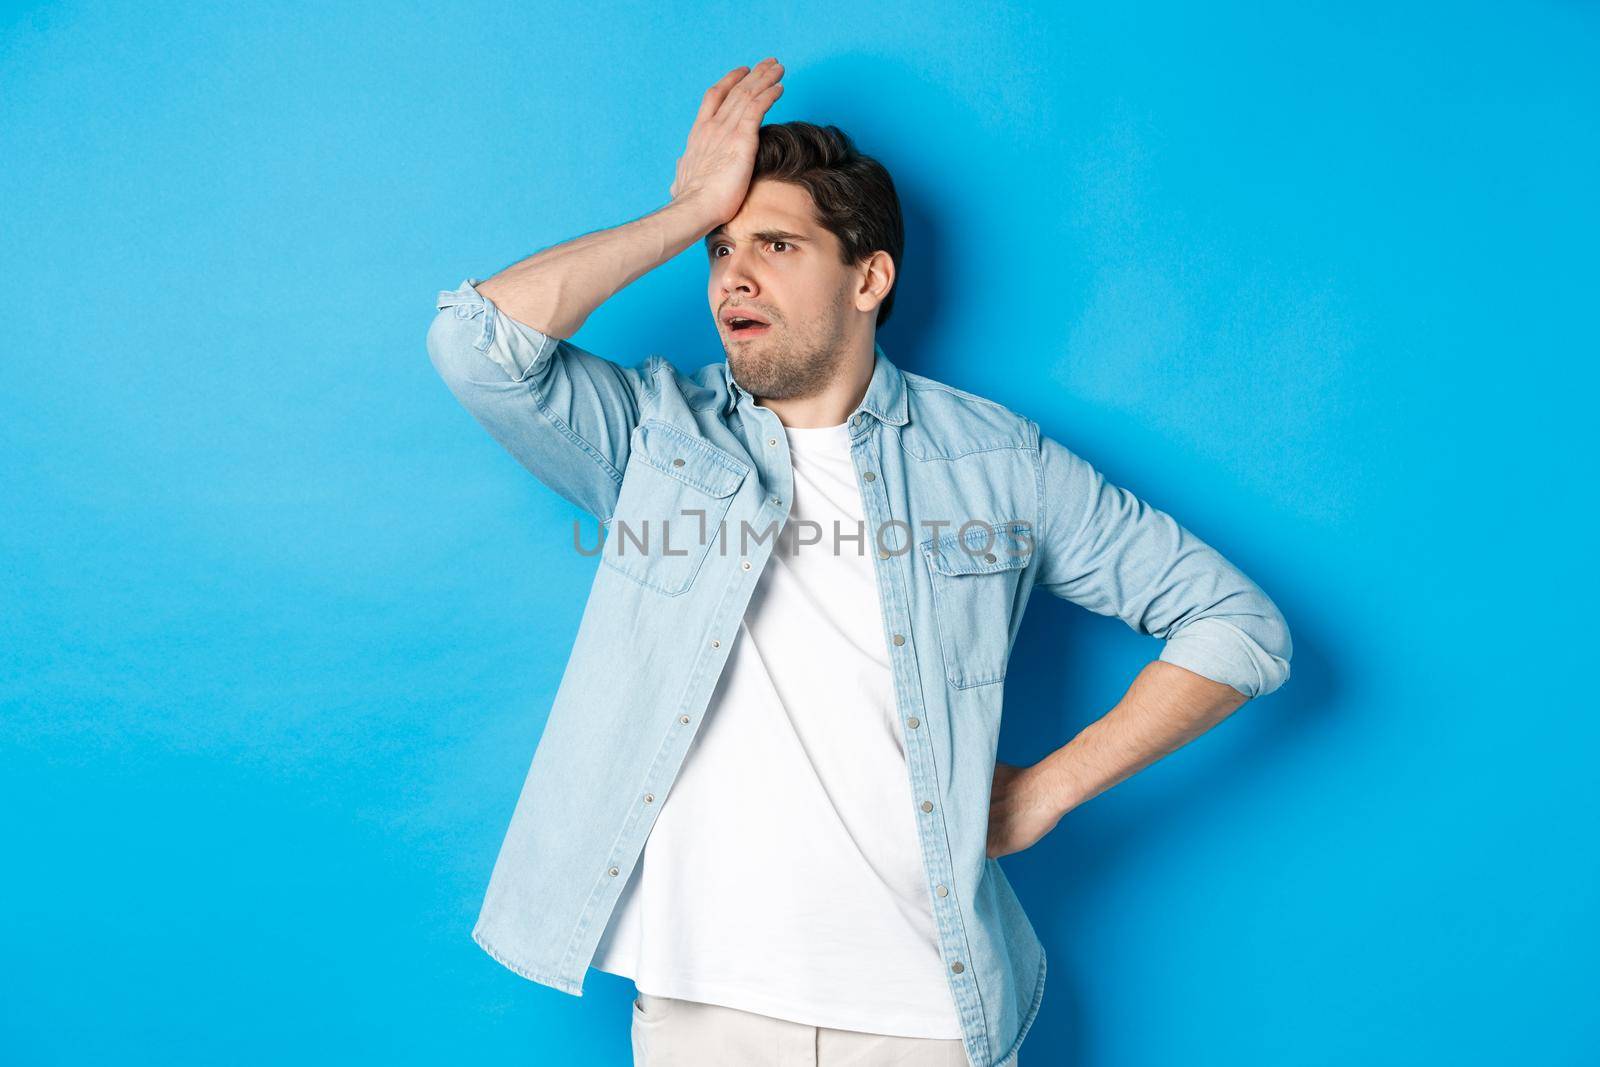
899 640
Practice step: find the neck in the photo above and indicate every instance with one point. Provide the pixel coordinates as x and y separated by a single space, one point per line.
835 402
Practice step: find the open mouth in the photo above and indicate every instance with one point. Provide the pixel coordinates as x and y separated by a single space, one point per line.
746 326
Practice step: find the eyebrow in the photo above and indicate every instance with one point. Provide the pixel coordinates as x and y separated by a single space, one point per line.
759 235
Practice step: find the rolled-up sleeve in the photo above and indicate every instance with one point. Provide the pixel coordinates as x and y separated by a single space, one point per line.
1103 548
566 414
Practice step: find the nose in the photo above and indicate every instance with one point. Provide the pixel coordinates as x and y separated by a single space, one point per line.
736 275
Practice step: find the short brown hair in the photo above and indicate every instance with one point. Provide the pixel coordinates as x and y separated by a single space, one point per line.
853 193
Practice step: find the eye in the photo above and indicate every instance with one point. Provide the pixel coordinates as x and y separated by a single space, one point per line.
719 247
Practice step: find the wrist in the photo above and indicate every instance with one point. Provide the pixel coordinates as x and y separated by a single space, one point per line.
693 213
1056 788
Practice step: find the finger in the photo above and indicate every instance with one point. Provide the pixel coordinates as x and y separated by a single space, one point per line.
715 95
757 81
770 95
760 104
753 82
765 77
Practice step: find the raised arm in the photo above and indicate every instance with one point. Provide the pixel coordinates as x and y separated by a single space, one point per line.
500 345
565 413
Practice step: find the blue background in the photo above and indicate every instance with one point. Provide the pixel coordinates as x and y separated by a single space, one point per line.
279 624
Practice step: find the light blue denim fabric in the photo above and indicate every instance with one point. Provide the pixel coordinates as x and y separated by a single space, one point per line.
651 443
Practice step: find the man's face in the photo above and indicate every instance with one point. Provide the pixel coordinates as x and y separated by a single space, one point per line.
773 262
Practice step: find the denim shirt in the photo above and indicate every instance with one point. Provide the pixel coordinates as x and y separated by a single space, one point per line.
969 509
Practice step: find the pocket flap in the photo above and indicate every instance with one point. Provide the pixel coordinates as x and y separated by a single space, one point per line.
687 458
1001 546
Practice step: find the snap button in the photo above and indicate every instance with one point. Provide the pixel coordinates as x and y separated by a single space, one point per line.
771 441
613 870
883 553
649 798
683 719
941 890
869 476
745 564
988 557
677 461
956 967
913 722
715 643
927 805
899 639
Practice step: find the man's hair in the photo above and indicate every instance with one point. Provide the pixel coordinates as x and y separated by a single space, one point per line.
853 193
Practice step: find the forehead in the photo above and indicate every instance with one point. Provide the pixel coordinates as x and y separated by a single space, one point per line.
773 206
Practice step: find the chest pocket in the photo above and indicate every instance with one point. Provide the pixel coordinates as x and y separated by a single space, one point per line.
675 492
975 576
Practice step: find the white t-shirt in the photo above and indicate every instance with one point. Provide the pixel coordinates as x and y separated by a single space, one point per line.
783 874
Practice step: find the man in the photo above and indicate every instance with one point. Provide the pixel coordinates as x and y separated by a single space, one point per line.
767 789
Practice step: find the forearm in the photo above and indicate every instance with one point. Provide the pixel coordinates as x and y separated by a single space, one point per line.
556 290
1166 707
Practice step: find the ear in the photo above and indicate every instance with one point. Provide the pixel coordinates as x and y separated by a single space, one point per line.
877 276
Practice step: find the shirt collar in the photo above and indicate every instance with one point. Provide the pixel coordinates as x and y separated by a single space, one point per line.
885 398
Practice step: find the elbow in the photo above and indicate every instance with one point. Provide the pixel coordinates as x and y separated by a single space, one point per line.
461 339
473 344
1268 645
1249 651
1264 642
455 343
1277 648
448 341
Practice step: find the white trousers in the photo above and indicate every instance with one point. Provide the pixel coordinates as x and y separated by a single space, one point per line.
670 1032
